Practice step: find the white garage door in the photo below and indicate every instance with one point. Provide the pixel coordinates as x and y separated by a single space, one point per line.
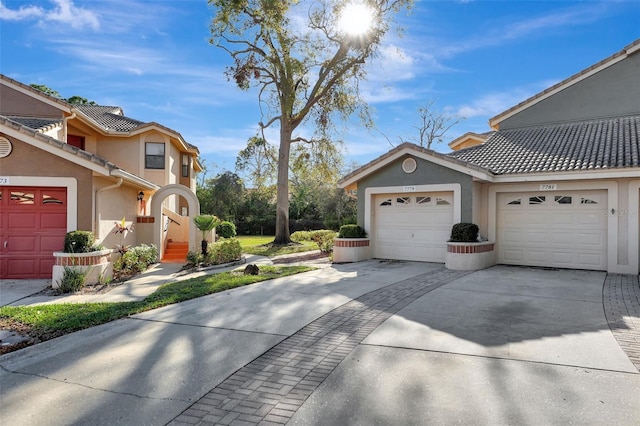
564 230
412 226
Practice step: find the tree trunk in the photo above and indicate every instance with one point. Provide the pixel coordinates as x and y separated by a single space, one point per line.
282 194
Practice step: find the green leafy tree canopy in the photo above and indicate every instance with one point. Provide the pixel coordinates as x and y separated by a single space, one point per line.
305 64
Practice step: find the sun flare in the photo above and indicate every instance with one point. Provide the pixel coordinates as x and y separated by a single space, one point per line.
356 19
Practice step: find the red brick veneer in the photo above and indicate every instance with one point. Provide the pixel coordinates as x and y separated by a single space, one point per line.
469 248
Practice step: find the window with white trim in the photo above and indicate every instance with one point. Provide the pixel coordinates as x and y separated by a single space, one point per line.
154 155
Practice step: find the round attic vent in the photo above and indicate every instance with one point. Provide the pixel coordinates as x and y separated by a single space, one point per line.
409 165
5 147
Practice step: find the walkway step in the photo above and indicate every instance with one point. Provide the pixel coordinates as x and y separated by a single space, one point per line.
271 388
175 252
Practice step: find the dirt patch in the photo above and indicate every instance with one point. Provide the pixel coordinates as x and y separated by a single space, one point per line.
302 257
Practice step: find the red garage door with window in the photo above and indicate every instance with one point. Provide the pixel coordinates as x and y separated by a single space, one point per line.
33 224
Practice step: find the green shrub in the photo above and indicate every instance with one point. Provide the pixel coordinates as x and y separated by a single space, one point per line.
351 231
194 258
72 280
300 236
136 259
226 230
223 251
324 239
79 242
464 233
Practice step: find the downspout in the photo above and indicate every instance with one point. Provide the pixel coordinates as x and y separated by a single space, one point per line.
97 207
65 120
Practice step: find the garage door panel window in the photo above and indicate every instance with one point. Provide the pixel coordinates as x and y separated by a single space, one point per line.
537 200
562 199
403 201
385 203
22 198
423 200
53 198
587 201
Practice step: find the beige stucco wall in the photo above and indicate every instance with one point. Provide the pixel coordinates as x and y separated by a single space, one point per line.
112 205
26 160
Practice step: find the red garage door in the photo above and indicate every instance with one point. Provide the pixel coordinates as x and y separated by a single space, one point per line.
33 224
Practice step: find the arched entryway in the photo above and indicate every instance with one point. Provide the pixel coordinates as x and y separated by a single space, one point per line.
156 212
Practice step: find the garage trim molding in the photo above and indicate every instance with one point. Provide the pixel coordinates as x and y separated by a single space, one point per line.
63 182
634 227
456 188
612 219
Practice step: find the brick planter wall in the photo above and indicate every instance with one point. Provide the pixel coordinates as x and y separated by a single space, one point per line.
346 250
470 256
96 264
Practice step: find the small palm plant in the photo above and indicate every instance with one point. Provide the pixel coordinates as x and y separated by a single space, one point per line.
205 223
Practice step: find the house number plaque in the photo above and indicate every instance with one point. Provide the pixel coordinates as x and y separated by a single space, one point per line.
4 180
409 189
548 187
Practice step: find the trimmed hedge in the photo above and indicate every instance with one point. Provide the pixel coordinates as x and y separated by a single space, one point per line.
79 242
464 233
351 231
226 230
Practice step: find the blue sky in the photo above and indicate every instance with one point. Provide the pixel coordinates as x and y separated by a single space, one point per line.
152 58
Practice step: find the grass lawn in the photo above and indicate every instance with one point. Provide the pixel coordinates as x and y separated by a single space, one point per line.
259 245
45 322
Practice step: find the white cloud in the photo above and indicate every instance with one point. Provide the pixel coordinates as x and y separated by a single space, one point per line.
68 13
63 11
494 103
392 64
23 13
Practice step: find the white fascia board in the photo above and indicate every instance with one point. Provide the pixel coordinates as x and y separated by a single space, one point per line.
566 176
425 156
136 180
59 152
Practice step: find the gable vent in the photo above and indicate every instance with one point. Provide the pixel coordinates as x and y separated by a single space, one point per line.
5 147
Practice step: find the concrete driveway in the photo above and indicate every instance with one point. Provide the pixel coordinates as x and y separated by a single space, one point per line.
366 343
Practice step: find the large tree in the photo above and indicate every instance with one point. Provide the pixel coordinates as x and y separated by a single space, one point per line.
306 59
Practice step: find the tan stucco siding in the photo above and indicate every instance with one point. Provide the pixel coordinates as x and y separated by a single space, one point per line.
114 204
17 103
123 152
26 160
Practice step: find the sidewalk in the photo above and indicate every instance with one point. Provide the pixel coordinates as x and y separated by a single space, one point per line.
28 292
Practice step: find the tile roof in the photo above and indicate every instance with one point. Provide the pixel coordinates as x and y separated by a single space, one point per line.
608 143
109 117
23 128
37 123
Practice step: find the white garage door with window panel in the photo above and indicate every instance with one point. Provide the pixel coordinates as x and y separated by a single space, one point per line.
412 226
553 229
